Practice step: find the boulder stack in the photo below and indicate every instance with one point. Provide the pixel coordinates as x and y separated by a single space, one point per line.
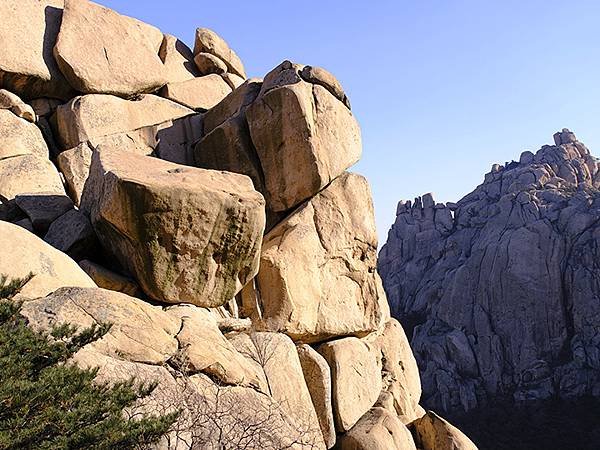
215 225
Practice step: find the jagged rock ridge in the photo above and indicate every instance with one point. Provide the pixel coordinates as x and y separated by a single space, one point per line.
500 291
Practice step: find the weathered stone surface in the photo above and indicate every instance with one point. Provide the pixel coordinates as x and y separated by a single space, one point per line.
178 60
172 140
24 253
75 165
93 116
100 51
20 137
318 75
220 359
14 104
234 81
207 41
276 355
431 432
232 105
378 429
317 275
28 174
356 379
107 279
72 233
175 139
496 291
28 33
318 380
207 64
137 205
303 135
229 147
43 208
400 374
199 93
140 332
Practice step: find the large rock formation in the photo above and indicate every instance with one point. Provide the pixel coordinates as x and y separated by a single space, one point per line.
318 261
187 234
216 230
498 290
100 51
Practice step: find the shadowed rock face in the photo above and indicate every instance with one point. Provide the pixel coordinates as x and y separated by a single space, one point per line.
500 291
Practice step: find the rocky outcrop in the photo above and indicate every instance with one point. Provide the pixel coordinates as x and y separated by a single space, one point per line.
292 137
216 228
320 260
20 137
356 379
28 34
91 117
188 235
101 51
198 93
497 290
207 41
434 433
23 254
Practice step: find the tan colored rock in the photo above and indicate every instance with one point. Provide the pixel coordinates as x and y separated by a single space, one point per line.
200 93
140 332
75 166
186 234
251 419
18 107
431 432
318 380
93 116
378 429
318 75
72 233
219 359
107 279
43 208
277 356
24 253
175 139
304 138
178 60
232 105
100 51
20 137
28 174
28 33
356 379
207 64
207 41
171 140
228 147
400 373
234 81
317 277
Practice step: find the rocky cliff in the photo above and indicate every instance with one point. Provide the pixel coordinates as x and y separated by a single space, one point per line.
211 220
500 291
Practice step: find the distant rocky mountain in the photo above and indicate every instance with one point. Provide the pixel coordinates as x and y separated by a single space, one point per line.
500 292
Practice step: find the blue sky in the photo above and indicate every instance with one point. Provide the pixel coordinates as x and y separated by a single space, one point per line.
442 89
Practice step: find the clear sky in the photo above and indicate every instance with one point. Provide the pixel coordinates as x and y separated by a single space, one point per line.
442 89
